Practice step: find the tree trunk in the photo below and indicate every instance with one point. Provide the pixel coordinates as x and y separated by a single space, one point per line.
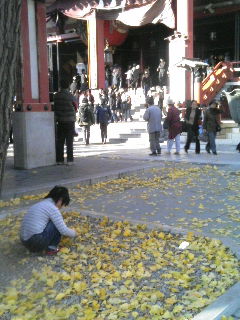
10 14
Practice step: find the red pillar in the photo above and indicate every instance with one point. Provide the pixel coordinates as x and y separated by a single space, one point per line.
96 68
33 121
33 92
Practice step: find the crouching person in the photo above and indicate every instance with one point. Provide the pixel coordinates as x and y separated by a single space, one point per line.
43 225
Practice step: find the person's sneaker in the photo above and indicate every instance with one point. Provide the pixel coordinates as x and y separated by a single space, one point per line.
153 154
158 151
69 163
215 153
52 251
177 153
60 163
185 149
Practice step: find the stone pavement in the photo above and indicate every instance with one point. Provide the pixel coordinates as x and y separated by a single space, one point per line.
98 162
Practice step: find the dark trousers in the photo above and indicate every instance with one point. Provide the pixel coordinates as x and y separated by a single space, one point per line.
39 242
191 135
146 88
127 114
103 128
211 141
65 132
114 116
86 136
154 141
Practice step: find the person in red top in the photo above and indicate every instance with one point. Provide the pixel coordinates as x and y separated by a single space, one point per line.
175 127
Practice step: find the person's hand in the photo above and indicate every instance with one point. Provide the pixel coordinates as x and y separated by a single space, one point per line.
75 233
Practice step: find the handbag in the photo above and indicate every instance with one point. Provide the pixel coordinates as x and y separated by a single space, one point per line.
218 128
163 136
166 124
203 136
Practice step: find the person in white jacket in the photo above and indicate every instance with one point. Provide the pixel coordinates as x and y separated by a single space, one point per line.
43 224
153 116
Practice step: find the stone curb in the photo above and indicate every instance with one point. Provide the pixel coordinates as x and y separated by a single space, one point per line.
225 305
83 181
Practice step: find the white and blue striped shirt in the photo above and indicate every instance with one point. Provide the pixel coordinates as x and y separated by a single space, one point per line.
38 216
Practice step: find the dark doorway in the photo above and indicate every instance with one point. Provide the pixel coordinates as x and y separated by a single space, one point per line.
144 46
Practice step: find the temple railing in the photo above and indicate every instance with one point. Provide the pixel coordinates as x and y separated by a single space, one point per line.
214 82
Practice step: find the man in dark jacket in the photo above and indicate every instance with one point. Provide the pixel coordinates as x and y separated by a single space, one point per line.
193 120
86 119
65 116
103 117
211 124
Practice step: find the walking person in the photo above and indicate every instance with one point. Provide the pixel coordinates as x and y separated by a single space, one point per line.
153 116
146 83
161 72
129 76
43 225
86 119
211 124
65 117
128 109
135 77
193 120
113 104
174 127
84 81
103 117
119 106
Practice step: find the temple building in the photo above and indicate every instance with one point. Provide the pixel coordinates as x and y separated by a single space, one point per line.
62 37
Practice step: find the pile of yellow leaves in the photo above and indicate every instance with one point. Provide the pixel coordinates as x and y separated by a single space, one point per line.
114 270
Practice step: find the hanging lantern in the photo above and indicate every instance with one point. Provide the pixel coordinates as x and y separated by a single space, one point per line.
114 32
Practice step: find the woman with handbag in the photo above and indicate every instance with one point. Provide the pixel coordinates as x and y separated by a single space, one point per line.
193 120
211 124
174 127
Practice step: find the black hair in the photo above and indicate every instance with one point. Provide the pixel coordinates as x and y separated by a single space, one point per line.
64 84
59 193
150 100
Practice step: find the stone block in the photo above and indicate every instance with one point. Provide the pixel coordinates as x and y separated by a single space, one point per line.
34 139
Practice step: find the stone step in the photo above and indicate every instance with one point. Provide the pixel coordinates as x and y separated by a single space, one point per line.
233 136
135 109
229 124
138 130
229 130
129 135
117 140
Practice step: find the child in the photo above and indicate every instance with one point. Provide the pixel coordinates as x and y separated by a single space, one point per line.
43 224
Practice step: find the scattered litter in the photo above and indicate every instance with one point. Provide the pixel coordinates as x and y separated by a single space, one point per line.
183 245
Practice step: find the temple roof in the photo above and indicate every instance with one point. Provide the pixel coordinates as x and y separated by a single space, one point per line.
129 12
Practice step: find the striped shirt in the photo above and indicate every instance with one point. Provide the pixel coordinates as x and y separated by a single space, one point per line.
38 216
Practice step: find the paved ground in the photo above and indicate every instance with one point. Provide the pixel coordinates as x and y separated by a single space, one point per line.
206 203
97 160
